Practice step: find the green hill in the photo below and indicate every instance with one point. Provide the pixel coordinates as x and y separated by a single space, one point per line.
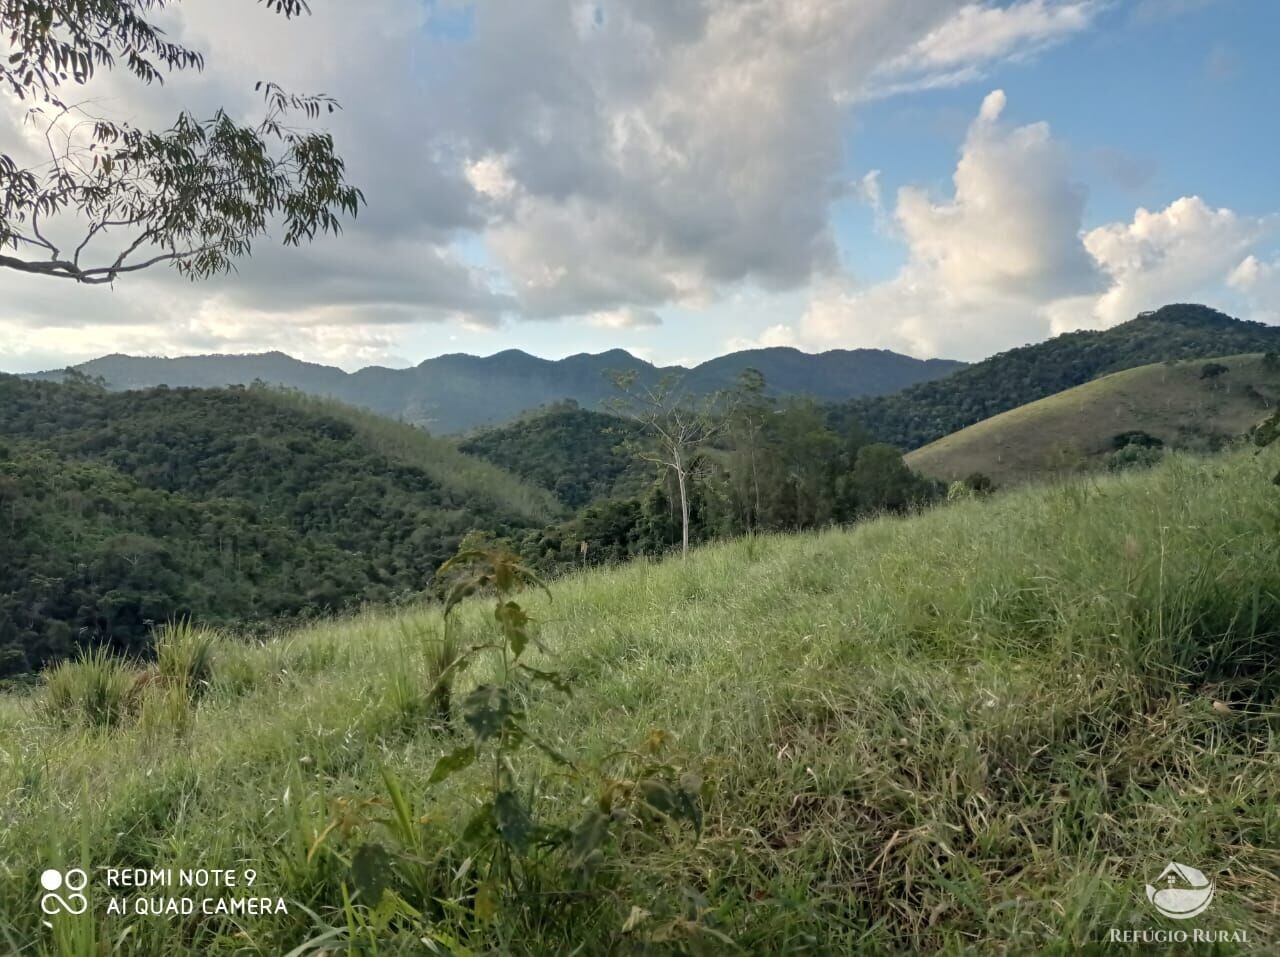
120 510
1169 405
456 393
980 730
925 412
572 452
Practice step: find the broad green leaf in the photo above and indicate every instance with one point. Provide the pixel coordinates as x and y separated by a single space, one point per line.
487 711
371 872
452 763
553 678
479 824
514 823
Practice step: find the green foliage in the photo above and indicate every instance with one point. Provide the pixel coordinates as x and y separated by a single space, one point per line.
1133 457
923 413
1213 370
514 861
234 507
93 691
898 728
465 471
1267 431
194 195
766 464
185 655
1136 437
577 455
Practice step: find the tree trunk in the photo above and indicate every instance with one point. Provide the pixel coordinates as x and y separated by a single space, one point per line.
684 507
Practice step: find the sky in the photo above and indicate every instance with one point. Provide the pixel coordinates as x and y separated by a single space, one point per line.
685 178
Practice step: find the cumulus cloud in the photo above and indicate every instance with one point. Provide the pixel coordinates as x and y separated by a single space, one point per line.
605 160
779 334
1005 260
1259 283
982 260
642 153
1165 256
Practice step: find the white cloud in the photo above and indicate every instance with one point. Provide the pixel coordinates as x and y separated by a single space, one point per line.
776 335
982 261
1004 260
979 34
662 152
1259 283
575 158
625 318
1170 255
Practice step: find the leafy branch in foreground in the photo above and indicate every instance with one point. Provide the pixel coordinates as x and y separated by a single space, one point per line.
507 865
194 196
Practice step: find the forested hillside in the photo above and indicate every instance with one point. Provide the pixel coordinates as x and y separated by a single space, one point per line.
772 465
120 510
925 412
575 453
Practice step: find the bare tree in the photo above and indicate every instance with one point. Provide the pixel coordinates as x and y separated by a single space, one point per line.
193 196
677 425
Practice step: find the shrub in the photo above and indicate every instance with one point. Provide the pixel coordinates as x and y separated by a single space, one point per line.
94 690
184 656
1136 438
1133 457
980 483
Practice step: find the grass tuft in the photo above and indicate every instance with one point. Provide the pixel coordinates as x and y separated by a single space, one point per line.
94 690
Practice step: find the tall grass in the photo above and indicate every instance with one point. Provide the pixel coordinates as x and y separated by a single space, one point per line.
92 690
980 730
185 656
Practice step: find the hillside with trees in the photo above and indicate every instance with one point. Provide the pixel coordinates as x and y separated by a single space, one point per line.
1119 421
928 411
756 464
122 510
957 699
576 454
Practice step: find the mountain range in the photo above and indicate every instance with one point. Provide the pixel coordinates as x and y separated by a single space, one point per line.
457 393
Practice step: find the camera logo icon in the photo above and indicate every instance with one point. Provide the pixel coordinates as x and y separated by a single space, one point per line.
64 891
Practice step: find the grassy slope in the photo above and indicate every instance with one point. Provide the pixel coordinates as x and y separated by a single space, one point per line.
978 730
1074 428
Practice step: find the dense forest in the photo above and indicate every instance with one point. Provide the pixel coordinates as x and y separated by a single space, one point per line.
576 454
773 465
121 510
253 506
927 411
